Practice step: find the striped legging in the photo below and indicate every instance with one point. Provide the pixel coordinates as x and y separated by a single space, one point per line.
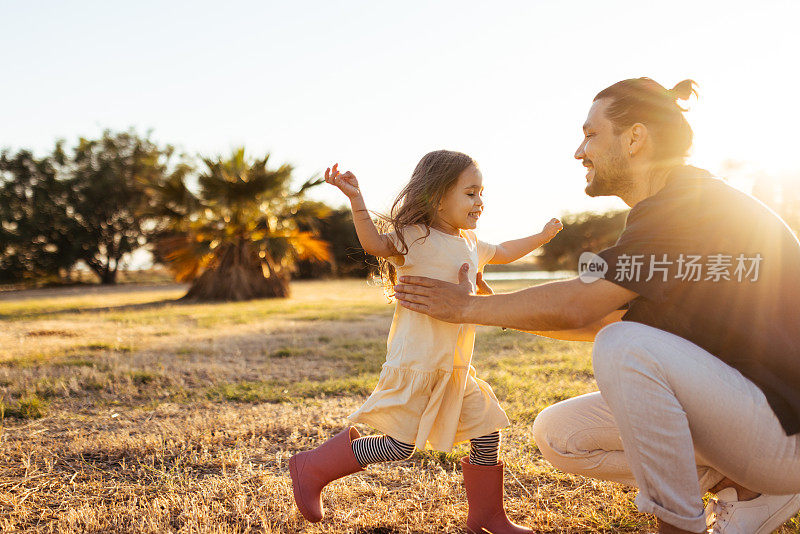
484 450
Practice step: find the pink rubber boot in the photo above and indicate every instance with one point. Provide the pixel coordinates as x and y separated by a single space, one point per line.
313 470
484 484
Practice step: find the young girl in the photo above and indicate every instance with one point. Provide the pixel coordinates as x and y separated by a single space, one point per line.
427 391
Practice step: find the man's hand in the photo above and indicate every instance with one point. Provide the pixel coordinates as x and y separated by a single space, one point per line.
439 299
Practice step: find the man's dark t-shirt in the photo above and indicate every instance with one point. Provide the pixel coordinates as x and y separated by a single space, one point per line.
724 273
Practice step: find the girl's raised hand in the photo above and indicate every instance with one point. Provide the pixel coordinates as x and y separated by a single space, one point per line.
552 228
346 182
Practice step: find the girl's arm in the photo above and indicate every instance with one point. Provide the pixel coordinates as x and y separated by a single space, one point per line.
513 250
371 240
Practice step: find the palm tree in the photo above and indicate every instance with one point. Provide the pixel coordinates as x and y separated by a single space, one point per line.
239 237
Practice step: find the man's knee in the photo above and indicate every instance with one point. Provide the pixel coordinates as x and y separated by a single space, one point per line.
608 344
615 349
553 431
544 427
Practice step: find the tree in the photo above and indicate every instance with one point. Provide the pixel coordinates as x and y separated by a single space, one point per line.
335 226
242 234
37 231
582 231
107 194
89 206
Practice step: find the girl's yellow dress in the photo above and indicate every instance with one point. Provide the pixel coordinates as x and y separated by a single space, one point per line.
428 390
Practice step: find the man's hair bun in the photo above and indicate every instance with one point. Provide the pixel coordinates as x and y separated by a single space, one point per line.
648 102
684 90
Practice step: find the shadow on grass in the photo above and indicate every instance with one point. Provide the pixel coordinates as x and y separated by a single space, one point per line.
102 309
137 468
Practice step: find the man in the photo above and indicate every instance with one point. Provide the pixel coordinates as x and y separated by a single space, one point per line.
696 326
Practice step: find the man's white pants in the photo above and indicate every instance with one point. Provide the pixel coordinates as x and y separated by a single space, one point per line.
672 420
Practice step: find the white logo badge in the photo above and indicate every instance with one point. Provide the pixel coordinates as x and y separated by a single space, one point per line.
591 267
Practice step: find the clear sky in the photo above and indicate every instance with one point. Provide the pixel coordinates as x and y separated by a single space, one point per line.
375 85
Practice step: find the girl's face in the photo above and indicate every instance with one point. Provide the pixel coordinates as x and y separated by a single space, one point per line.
462 204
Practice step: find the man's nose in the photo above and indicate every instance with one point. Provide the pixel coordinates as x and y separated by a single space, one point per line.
579 154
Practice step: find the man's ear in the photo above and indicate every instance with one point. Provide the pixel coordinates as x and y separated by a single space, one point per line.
638 138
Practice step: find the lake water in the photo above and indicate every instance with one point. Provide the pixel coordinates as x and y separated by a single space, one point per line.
529 275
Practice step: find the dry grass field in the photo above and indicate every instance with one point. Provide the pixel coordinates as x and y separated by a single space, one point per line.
124 411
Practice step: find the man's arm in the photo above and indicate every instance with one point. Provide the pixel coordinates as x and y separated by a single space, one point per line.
563 305
586 333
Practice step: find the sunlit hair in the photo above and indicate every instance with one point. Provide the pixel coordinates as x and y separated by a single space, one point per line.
417 203
648 102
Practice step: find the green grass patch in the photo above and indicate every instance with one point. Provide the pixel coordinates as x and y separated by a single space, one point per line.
287 352
75 361
97 346
143 377
27 407
75 356
450 461
33 359
94 384
275 391
49 387
100 345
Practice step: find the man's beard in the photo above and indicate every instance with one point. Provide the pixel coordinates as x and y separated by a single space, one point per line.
614 180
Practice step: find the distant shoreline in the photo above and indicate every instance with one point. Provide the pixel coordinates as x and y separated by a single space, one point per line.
528 275
161 277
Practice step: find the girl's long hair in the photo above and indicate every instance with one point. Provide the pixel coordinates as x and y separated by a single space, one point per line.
417 203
